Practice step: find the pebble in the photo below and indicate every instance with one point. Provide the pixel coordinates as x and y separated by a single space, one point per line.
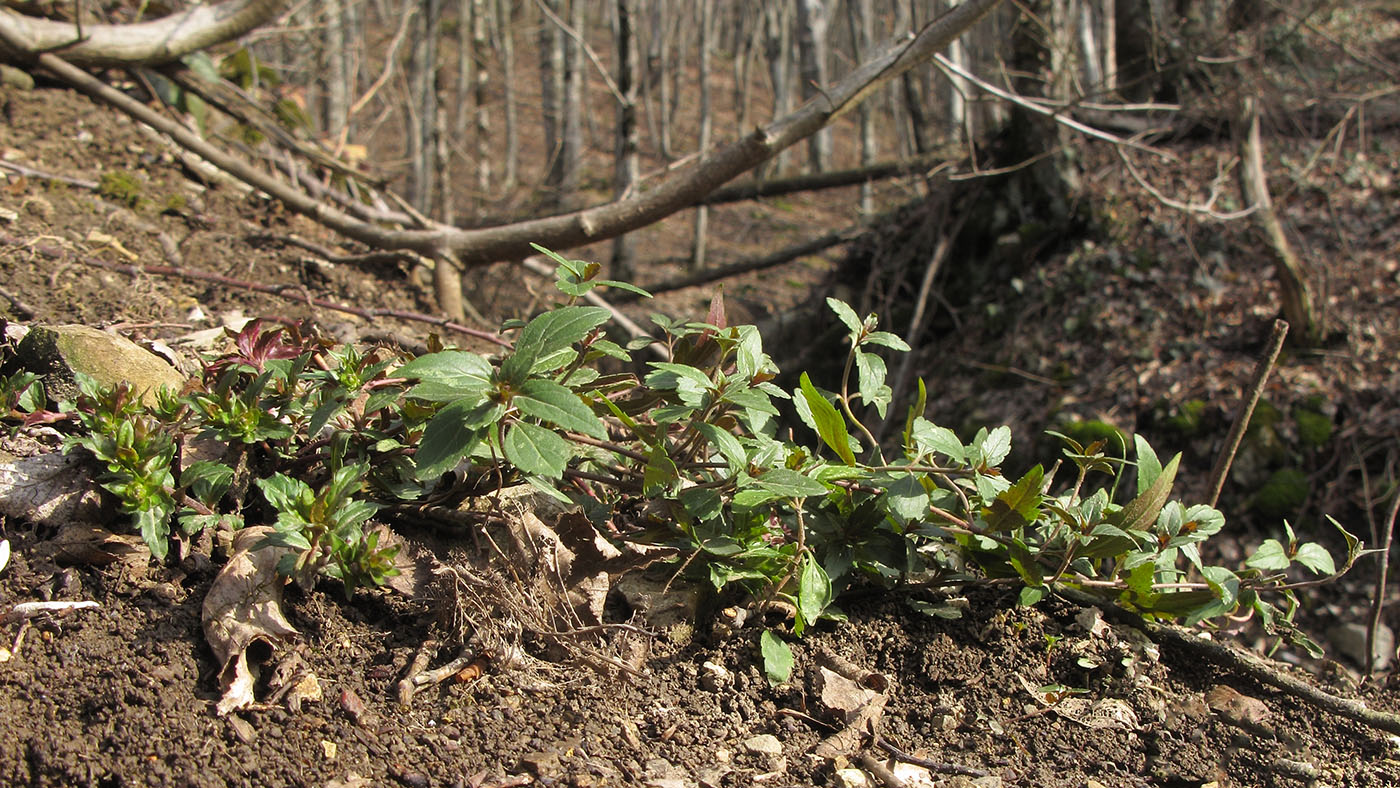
1349 639
764 744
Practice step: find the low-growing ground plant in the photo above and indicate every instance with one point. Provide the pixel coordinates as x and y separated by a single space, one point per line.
692 452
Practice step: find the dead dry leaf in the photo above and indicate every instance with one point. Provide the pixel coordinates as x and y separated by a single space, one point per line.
50 489
242 609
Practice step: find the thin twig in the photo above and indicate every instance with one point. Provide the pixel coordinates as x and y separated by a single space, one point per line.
1378 602
937 767
1256 388
30 172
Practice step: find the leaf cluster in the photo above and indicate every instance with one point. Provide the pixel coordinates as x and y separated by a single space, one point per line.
690 452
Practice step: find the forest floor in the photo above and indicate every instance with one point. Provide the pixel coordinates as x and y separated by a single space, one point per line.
1154 326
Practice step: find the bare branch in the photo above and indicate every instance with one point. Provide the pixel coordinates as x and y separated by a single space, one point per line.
142 43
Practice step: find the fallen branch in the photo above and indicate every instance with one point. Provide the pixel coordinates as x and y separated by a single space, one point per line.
1246 664
139 43
281 291
1256 389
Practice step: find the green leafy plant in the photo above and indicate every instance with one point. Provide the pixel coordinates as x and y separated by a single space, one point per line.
700 450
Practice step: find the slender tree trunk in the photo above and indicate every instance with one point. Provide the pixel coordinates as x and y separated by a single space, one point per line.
860 18
777 50
702 213
627 167
505 44
813 21
481 131
423 132
571 145
1108 19
551 58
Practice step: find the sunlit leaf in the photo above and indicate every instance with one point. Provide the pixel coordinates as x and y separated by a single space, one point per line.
830 425
536 449
777 657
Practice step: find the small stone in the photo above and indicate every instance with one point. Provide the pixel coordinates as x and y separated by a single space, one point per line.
714 677
328 749
764 744
541 764
841 696
913 776
852 778
1349 640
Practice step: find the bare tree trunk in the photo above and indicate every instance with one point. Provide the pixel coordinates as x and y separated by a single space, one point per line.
656 89
1108 17
551 57
813 22
627 167
336 64
1089 43
746 41
860 18
505 43
423 100
702 213
777 50
571 145
481 131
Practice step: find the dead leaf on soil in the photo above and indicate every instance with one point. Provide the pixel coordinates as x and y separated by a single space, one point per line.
49 489
242 609
93 545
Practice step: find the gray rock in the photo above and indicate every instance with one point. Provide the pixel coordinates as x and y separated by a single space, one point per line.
1349 640
54 353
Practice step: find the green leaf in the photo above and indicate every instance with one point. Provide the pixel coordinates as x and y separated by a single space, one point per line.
1149 467
702 503
916 410
1316 558
660 473
448 437
831 426
790 484
886 339
906 498
1270 557
447 375
870 375
556 404
1030 595
549 333
207 480
535 449
777 657
753 496
995 445
846 315
1018 505
1142 511
750 399
930 437
1223 583
728 445
813 590
285 494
